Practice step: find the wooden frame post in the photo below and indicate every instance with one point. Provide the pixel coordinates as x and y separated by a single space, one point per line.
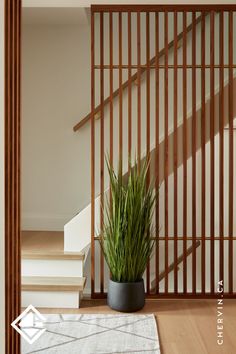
12 172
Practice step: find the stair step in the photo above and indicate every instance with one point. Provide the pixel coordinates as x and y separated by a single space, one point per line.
42 240
34 283
52 255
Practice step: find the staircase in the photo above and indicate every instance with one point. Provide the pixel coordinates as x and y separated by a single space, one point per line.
51 277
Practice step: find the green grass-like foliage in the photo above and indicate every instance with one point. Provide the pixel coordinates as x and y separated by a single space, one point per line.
125 238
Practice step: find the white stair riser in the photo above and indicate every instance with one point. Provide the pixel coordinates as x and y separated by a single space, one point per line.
51 299
77 232
52 268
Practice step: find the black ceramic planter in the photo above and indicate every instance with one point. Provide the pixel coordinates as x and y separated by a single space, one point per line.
126 297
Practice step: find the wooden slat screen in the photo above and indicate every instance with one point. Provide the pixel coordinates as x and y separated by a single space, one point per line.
12 172
177 106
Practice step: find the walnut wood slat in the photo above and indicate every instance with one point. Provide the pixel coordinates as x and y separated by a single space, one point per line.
148 89
101 145
231 153
212 151
157 149
163 8
175 153
148 118
170 66
12 172
120 94
174 264
194 151
221 148
111 85
92 157
203 156
139 86
18 152
188 238
185 142
166 163
129 87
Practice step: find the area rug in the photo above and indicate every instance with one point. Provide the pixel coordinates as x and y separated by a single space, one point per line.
92 334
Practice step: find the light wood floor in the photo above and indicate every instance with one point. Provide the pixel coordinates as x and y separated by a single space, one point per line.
185 326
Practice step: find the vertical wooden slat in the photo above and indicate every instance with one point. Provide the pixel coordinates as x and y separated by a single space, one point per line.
231 152
203 154
92 158
101 145
8 128
185 142
18 165
18 169
166 169
111 84
194 151
221 147
12 172
175 154
148 116
11 177
129 87
139 86
7 176
13 155
148 87
120 94
157 149
212 150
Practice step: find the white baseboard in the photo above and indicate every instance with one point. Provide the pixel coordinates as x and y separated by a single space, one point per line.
45 222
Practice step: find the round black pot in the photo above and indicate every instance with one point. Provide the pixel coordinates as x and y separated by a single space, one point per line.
126 297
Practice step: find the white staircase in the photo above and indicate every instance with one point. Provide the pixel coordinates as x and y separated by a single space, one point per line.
53 292
51 277
77 232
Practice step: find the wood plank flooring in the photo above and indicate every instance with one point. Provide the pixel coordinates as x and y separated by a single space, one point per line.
185 326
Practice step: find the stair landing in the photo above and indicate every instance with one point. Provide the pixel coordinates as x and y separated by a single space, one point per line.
46 241
46 245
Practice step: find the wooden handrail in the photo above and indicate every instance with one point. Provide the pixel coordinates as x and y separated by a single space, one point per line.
133 77
174 264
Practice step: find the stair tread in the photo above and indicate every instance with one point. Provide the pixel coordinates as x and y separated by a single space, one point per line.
53 283
43 240
51 255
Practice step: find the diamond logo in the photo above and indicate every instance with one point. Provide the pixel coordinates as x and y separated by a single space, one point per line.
30 324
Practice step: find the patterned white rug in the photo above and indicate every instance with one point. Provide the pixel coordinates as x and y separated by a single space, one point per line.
92 334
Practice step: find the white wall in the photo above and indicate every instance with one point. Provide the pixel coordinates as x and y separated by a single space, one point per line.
55 94
2 267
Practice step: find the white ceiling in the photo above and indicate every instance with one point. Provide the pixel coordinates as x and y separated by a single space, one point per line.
55 16
87 3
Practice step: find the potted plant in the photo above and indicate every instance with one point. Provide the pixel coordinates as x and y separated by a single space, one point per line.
125 236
